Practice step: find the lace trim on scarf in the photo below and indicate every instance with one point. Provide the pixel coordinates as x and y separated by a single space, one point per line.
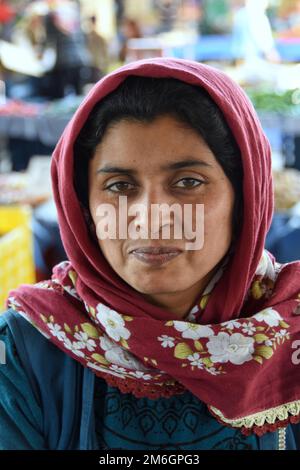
142 389
264 421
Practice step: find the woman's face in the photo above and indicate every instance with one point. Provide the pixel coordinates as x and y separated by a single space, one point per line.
160 162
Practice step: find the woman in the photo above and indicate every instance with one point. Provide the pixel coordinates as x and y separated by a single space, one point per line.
142 341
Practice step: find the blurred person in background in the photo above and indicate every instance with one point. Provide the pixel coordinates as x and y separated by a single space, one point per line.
167 10
98 50
65 36
28 33
119 12
252 34
130 29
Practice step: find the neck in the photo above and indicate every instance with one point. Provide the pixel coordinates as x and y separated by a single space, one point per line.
180 303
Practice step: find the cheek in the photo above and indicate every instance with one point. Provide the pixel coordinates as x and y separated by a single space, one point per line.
110 248
97 199
112 252
218 213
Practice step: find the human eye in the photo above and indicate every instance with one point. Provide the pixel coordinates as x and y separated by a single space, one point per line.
120 187
189 183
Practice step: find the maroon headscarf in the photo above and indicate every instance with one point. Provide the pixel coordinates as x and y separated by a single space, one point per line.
234 350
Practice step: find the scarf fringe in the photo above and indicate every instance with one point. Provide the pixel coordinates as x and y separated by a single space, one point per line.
141 389
265 421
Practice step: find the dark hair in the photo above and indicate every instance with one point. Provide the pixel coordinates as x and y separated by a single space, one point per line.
146 98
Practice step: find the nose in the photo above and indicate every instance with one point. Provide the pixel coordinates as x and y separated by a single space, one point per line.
150 212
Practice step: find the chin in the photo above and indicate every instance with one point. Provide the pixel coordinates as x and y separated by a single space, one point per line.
154 286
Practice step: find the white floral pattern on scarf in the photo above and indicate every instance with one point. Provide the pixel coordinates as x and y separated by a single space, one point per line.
112 322
234 348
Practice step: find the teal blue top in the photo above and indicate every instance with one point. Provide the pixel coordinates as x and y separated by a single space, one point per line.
50 401
181 422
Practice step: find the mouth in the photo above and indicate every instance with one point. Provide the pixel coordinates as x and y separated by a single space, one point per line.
155 256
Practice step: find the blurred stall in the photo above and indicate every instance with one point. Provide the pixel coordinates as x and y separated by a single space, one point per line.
34 128
32 190
16 249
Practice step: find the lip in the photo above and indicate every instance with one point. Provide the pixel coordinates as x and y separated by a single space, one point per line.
155 256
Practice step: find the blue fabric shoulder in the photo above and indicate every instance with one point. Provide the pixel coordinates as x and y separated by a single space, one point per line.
60 388
21 421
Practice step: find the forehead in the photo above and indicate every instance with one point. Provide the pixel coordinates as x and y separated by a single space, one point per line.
163 138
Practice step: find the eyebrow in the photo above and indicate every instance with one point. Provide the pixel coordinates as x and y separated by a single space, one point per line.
173 166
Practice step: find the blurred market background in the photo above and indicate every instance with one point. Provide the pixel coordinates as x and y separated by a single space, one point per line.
52 52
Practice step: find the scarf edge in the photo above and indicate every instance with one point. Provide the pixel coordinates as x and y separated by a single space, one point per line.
260 423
